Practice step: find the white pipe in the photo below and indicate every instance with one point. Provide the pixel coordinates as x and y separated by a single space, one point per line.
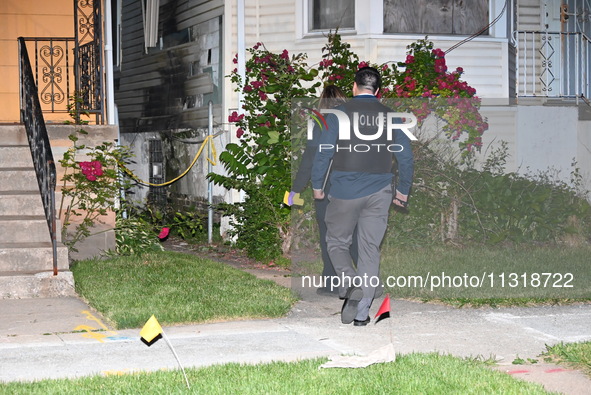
241 51
110 93
209 184
241 60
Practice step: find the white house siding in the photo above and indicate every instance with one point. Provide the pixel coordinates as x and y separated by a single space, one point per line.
547 136
529 14
584 150
502 124
488 65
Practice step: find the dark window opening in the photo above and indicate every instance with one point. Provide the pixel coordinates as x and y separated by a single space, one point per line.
332 14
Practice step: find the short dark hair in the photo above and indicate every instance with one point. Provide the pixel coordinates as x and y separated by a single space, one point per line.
368 78
331 97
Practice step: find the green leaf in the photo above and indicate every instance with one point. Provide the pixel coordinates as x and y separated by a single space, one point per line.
273 137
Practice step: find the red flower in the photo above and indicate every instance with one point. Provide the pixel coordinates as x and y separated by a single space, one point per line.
409 59
98 168
284 55
438 53
234 117
91 169
239 132
362 65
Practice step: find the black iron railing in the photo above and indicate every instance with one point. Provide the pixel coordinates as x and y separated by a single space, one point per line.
32 118
89 58
52 65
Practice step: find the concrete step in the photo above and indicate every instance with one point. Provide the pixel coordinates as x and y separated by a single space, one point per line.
25 229
15 156
18 179
31 257
21 285
21 203
13 135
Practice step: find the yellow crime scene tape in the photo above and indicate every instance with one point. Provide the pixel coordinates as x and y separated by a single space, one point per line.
208 140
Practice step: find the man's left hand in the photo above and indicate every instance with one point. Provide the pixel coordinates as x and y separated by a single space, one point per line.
318 194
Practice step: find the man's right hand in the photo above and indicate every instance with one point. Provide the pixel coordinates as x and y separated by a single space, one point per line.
318 194
401 200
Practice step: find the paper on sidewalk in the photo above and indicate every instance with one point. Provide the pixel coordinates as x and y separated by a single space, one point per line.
381 355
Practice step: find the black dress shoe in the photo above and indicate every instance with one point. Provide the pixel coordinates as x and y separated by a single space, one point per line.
361 323
349 310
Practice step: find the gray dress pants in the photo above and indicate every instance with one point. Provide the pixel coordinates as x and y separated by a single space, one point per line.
370 215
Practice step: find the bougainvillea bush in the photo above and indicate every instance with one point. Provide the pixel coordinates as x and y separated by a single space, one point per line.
259 164
90 188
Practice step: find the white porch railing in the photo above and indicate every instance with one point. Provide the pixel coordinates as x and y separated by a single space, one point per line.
553 64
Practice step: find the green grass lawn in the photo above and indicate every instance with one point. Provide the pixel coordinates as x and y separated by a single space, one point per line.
410 374
577 355
517 274
176 288
483 275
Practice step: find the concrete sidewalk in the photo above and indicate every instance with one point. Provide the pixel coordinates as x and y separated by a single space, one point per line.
49 338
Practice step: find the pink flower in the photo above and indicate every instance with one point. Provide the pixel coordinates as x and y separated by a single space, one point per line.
263 95
409 59
98 168
163 233
362 65
257 84
438 53
385 67
284 55
239 132
234 117
91 169
440 66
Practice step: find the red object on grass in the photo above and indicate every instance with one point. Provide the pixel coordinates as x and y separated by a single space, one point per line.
163 233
